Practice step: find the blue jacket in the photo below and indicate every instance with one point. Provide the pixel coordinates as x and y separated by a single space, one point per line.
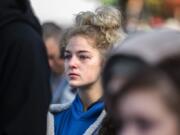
74 121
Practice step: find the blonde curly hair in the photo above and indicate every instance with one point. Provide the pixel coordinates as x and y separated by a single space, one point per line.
103 25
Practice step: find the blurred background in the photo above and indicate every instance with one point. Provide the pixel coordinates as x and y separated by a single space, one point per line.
62 12
137 14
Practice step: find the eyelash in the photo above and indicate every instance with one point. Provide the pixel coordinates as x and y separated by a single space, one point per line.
81 57
67 56
145 125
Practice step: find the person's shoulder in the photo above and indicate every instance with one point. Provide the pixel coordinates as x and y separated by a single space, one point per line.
21 32
59 108
59 116
23 36
60 112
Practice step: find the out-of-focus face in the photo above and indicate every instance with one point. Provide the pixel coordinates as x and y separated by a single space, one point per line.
115 83
82 62
145 113
55 62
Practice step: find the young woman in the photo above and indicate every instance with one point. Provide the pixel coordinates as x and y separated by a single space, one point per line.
85 46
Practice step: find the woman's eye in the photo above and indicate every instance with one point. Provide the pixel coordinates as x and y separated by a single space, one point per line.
83 57
145 124
67 56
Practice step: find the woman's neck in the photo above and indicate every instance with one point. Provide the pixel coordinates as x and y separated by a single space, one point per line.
90 94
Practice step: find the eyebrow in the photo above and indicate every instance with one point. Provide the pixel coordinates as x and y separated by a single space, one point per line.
66 51
80 51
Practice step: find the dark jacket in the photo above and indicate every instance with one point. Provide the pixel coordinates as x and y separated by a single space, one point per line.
24 71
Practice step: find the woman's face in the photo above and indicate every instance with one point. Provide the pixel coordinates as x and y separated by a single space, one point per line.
82 62
145 113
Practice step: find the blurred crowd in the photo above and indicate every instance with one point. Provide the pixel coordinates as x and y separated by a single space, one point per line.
115 71
147 14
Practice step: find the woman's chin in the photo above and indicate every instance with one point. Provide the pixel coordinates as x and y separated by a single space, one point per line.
74 84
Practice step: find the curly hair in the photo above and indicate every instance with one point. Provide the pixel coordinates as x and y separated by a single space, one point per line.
103 26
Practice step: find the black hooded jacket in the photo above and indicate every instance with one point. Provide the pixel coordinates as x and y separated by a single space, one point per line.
24 71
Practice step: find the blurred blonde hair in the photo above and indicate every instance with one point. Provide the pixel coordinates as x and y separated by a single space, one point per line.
103 26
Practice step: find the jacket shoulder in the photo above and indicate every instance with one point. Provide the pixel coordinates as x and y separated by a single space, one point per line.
53 109
56 108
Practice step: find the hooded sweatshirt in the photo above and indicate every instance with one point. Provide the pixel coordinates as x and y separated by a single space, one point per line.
74 120
24 71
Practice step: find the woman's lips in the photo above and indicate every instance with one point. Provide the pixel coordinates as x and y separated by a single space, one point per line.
73 75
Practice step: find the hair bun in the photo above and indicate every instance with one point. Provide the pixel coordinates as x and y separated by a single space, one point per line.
104 17
107 17
84 18
104 24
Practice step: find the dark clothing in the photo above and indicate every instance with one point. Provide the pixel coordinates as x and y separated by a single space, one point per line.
24 71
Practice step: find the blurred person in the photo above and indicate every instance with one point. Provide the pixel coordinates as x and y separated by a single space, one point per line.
24 72
171 66
132 55
85 48
61 91
148 105
117 71
151 46
52 35
134 15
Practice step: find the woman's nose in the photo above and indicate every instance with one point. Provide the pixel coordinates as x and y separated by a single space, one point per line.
73 62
